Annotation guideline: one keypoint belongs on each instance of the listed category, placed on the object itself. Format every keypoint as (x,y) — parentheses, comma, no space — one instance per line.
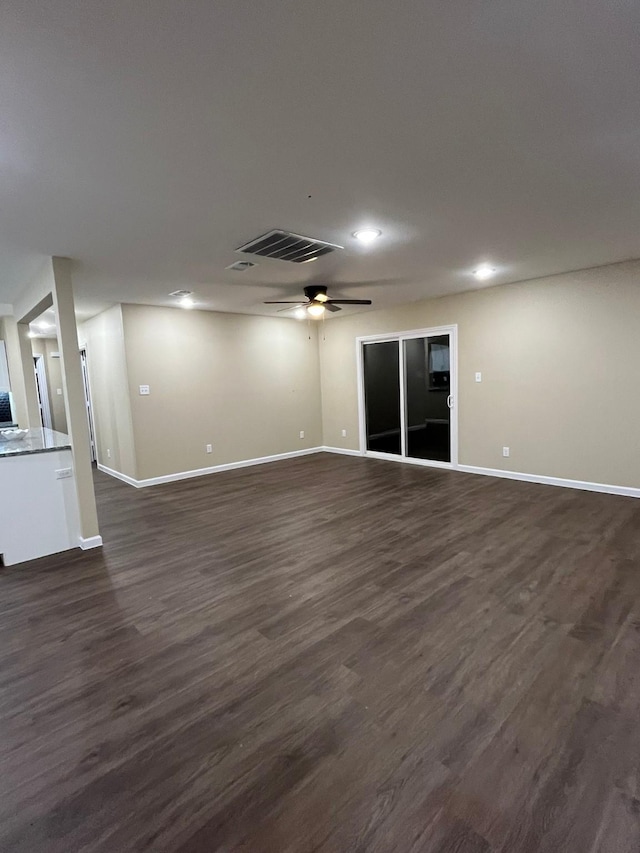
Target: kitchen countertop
(40,440)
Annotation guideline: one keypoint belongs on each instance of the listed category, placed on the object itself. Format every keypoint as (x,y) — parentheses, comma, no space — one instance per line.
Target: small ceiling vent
(288,247)
(241,266)
(181,293)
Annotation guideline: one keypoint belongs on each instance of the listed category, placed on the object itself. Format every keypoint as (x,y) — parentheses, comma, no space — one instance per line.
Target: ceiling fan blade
(350,302)
(330,307)
(282,303)
(292,308)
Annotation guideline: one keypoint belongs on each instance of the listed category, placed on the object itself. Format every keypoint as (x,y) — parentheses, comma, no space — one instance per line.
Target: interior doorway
(42,387)
(407,387)
(88,405)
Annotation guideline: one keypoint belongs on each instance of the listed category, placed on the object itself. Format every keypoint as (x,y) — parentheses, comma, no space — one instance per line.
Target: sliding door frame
(361,342)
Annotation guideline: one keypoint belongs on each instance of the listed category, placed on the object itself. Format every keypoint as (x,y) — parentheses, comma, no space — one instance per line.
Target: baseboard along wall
(90,542)
(626,491)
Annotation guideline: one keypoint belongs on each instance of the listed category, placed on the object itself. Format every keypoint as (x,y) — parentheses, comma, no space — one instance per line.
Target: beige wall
(54,375)
(103,337)
(247,385)
(53,369)
(558,357)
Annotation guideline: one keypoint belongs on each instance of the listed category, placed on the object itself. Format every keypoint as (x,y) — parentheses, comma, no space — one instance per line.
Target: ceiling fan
(318,302)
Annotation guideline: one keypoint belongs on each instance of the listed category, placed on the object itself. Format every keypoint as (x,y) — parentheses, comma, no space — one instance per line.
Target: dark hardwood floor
(328,654)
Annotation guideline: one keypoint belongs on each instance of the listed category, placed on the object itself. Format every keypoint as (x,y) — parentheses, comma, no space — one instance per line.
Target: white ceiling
(148,140)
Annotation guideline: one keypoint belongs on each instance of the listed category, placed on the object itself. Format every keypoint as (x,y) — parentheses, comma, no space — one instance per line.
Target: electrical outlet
(108,453)
(344,433)
(505,451)
(209,448)
(144,390)
(64,473)
(478,377)
(301,433)
(59,392)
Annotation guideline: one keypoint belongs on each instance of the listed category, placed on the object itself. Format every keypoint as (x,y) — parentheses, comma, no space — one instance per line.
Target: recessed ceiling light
(484,271)
(300,314)
(315,310)
(367,236)
(185,298)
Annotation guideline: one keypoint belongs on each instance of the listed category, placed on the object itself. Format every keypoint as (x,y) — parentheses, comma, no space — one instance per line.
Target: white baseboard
(626,491)
(91,542)
(118,475)
(583,485)
(202,472)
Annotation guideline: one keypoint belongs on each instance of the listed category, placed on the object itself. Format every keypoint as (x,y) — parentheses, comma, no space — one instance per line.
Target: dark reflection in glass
(427,388)
(382,396)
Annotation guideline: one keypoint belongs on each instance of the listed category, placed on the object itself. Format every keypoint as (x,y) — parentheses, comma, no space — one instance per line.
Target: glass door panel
(381,364)
(427,372)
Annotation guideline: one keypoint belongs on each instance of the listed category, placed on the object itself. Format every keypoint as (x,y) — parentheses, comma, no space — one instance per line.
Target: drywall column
(73,390)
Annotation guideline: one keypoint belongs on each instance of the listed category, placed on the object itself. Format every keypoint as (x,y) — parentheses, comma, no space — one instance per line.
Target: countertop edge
(11,454)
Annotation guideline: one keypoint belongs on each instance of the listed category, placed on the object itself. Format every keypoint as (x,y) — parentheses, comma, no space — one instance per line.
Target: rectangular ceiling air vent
(180,294)
(288,247)
(241,266)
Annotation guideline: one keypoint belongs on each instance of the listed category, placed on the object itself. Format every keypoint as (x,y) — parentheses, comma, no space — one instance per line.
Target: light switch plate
(478,377)
(144,390)
(64,473)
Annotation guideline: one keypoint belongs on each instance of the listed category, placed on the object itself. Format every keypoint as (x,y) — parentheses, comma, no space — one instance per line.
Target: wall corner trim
(91,542)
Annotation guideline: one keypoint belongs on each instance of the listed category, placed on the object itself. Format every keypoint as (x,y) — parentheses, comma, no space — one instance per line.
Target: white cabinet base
(38,512)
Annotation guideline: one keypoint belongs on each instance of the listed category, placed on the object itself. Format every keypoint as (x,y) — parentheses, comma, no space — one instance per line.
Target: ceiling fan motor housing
(311,291)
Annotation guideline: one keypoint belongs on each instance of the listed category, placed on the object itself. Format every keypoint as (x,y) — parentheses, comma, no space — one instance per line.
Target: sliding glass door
(382,396)
(408,388)
(427,378)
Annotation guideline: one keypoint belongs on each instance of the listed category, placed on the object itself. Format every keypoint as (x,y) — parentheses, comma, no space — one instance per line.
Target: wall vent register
(285,246)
